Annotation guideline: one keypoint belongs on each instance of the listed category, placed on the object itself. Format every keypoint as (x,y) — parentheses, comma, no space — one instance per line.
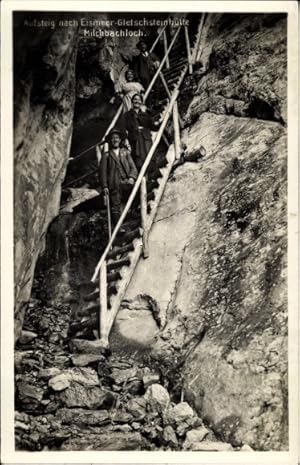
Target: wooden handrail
(188,49)
(137,183)
(119,109)
(157,39)
(161,65)
(199,33)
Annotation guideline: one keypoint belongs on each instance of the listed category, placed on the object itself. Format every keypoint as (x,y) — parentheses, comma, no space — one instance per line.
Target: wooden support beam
(165,85)
(143,197)
(103,328)
(160,66)
(166,49)
(188,49)
(195,55)
(177,142)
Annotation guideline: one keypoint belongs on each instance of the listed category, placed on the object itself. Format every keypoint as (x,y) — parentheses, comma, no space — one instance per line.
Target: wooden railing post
(167,114)
(166,49)
(103,323)
(188,49)
(148,90)
(196,50)
(143,197)
(177,142)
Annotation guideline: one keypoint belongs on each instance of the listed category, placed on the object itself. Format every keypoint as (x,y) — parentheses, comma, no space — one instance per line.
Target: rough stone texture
(210,446)
(136,322)
(27,336)
(78,395)
(151,378)
(194,436)
(29,396)
(110,441)
(179,413)
(83,360)
(243,69)
(226,292)
(84,376)
(83,417)
(157,397)
(137,407)
(44,97)
(170,437)
(87,347)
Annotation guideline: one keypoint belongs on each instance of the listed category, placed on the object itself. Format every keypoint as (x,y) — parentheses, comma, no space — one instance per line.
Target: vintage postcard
(149,232)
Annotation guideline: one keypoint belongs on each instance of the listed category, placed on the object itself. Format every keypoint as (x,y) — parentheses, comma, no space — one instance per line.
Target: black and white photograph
(150,304)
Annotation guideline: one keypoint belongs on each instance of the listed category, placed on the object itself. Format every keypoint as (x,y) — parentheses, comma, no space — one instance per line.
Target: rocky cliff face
(44,102)
(220,237)
(215,279)
(62,86)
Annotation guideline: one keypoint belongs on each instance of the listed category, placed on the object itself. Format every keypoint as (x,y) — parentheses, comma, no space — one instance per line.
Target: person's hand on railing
(131,181)
(106,191)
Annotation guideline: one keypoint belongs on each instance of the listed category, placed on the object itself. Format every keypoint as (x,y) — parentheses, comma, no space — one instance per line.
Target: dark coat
(139,127)
(114,171)
(143,67)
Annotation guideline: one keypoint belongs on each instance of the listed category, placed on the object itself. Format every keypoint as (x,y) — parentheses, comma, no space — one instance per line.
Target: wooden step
(118,264)
(86,311)
(129,236)
(120,250)
(131,224)
(91,323)
(172,81)
(111,277)
(175,70)
(111,289)
(177,61)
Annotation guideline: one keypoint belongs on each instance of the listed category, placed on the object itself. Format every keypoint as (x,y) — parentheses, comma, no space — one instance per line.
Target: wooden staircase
(130,237)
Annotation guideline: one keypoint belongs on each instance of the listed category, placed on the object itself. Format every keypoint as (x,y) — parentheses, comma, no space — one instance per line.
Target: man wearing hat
(144,64)
(117,173)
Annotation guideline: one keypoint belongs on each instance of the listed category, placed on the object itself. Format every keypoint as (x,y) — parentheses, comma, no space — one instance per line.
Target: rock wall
(222,235)
(44,97)
(243,67)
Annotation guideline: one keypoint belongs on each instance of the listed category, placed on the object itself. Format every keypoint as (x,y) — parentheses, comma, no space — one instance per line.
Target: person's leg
(115,205)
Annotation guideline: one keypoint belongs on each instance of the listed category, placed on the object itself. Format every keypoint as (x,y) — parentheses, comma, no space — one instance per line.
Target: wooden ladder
(129,239)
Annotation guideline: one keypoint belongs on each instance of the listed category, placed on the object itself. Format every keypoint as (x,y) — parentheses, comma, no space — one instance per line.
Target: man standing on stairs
(144,64)
(117,173)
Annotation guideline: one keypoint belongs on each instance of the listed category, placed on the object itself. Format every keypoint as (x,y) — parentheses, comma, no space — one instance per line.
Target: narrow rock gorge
(198,353)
